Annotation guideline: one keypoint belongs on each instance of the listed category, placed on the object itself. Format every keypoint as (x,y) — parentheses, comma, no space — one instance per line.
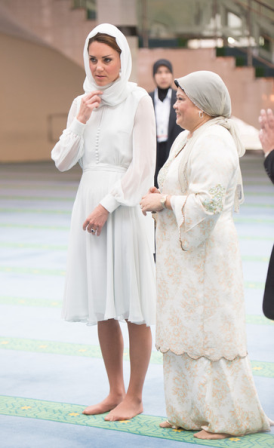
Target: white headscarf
(209,93)
(117,91)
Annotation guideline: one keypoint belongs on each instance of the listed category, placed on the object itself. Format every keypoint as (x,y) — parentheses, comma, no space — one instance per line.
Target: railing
(89,5)
(260,21)
(263,9)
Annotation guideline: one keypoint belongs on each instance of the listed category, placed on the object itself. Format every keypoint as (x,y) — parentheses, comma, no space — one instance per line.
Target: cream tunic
(111,276)
(200,282)
(200,314)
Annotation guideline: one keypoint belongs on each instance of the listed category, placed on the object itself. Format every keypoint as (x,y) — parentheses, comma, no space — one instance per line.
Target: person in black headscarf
(163,98)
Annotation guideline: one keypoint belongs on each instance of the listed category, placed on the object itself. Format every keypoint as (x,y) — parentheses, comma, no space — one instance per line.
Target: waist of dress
(105,167)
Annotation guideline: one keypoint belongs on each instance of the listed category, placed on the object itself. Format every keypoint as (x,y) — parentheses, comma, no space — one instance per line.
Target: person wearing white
(163,98)
(200,326)
(110,270)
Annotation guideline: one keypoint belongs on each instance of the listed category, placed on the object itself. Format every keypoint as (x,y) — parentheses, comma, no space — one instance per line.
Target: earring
(201,113)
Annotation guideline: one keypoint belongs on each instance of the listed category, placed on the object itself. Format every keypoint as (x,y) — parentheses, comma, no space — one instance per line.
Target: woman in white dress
(200,300)
(110,269)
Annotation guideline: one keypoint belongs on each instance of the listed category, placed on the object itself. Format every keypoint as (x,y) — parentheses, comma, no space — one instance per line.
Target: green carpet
(142,425)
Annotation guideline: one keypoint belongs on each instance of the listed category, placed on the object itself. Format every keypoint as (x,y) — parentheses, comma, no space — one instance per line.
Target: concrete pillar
(123,14)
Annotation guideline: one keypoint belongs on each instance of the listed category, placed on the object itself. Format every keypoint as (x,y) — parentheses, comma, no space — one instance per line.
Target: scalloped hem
(196,357)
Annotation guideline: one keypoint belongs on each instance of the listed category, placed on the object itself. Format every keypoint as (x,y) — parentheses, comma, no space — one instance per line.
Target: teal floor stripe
(253,258)
(142,425)
(22,301)
(256,320)
(259,368)
(254,285)
(31,271)
(33,246)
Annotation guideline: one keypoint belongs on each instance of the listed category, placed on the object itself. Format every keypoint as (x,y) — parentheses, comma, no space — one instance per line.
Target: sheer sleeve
(140,173)
(213,166)
(70,147)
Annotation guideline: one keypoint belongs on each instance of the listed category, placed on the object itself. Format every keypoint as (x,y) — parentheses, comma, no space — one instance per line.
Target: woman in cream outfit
(110,270)
(201,318)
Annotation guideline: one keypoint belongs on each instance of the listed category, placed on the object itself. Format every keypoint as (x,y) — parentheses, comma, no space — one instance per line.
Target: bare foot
(210,436)
(166,424)
(125,411)
(104,406)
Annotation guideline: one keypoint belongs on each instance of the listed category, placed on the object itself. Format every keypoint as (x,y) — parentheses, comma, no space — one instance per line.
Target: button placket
(97,138)
(97,145)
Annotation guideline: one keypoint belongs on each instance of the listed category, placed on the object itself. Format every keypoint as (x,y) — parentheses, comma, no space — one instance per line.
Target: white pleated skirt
(217,396)
(111,276)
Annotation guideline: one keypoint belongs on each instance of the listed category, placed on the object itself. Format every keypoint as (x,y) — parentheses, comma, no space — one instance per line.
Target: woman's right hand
(89,102)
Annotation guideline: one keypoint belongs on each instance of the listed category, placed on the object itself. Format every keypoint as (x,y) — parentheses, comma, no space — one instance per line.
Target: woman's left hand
(96,220)
(151,203)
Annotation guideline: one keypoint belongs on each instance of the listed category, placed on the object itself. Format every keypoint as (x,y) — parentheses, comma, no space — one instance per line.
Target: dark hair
(105,39)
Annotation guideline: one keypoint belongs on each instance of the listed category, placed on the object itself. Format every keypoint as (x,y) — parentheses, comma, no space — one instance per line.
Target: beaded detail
(214,205)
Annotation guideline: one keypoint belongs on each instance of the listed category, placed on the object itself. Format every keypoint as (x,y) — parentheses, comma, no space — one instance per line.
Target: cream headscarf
(209,93)
(117,91)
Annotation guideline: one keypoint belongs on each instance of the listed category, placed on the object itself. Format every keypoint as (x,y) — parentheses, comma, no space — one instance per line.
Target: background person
(200,329)
(163,98)
(266,135)
(110,269)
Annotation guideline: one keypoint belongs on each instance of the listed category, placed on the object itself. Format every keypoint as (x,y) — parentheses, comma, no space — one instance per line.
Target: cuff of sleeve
(109,203)
(172,202)
(177,204)
(77,127)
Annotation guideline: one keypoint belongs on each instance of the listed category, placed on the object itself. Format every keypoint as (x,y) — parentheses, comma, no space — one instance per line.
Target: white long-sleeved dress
(200,301)
(111,276)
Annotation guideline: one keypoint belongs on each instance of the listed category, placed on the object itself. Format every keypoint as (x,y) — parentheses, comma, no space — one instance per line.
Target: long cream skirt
(218,396)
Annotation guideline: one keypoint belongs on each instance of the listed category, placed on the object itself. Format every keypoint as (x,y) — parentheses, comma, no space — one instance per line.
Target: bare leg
(112,347)
(140,342)
(210,436)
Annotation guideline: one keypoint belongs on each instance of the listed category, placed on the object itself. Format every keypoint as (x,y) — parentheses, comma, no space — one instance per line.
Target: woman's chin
(179,123)
(100,82)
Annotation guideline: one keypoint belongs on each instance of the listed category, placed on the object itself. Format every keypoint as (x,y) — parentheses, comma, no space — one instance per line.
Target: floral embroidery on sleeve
(214,205)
